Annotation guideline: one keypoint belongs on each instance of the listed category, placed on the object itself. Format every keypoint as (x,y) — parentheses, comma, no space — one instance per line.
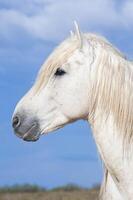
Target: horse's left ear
(78,34)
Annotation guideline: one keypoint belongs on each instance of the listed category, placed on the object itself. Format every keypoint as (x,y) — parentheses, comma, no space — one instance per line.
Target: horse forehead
(59,57)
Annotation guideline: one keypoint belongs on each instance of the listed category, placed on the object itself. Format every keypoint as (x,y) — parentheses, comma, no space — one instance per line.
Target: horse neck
(109,190)
(110,147)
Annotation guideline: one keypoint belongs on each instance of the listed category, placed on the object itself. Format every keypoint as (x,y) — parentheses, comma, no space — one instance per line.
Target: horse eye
(59,72)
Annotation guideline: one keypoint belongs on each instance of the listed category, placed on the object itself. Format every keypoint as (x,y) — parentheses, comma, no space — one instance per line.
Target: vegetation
(33,192)
(69,188)
(21,188)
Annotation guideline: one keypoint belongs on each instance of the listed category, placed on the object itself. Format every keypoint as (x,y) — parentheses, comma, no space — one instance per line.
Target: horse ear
(78,34)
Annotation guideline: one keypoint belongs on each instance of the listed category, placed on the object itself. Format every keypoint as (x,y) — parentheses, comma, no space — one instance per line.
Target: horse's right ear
(78,34)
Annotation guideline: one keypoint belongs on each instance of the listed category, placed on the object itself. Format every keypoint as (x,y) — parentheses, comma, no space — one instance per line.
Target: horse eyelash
(59,72)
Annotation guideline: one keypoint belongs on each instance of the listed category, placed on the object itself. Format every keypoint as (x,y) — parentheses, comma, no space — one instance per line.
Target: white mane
(113,88)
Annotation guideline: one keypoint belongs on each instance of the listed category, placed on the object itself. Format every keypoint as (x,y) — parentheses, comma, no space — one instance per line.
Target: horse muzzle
(27,129)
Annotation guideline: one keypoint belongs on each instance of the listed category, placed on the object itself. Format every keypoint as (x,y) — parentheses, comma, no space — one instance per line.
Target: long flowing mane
(112,89)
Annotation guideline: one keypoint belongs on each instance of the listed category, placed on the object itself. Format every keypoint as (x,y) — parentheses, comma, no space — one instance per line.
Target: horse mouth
(31,135)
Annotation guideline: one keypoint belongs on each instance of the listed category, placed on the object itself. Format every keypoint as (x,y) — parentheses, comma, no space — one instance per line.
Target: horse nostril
(16,122)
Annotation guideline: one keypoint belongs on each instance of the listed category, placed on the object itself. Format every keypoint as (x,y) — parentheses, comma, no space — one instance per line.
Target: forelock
(59,57)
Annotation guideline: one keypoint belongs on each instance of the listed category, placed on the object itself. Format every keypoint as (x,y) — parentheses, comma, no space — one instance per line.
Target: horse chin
(31,138)
(51,129)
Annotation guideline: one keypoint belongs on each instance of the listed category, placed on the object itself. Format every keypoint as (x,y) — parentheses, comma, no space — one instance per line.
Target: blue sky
(29,31)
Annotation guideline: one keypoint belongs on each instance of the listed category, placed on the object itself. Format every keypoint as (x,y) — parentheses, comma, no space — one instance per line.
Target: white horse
(86,78)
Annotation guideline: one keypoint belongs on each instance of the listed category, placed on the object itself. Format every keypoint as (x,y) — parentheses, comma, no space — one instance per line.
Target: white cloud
(51,20)
(127,11)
